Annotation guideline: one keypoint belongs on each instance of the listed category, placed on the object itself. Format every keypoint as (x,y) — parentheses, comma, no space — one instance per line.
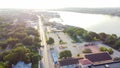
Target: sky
(51,4)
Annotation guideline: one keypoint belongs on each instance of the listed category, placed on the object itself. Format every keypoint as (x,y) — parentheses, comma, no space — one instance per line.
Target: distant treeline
(106,11)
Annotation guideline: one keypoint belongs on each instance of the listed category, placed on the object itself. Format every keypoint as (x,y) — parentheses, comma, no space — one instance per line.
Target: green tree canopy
(50,41)
(102,36)
(18,54)
(28,40)
(12,41)
(87,50)
(104,49)
(3,44)
(117,44)
(65,54)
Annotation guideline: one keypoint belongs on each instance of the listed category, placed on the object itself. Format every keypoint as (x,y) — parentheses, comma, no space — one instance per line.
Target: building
(21,64)
(69,63)
(107,65)
(84,63)
(99,58)
(53,29)
(94,60)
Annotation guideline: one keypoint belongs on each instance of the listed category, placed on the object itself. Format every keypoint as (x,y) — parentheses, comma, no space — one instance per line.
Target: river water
(92,22)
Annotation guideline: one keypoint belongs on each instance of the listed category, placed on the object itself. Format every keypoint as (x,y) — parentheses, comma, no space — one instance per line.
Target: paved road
(43,42)
(47,61)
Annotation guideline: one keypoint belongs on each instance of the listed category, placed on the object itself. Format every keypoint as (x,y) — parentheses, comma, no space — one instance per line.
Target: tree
(18,54)
(35,57)
(37,42)
(95,39)
(3,54)
(110,51)
(37,39)
(12,41)
(2,65)
(75,32)
(87,37)
(94,35)
(20,36)
(3,44)
(32,31)
(103,49)
(87,50)
(117,45)
(18,45)
(28,40)
(65,54)
(50,41)
(114,36)
(60,41)
(110,40)
(78,55)
(102,36)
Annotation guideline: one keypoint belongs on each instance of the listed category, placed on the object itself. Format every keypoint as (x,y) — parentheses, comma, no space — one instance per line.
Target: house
(53,29)
(69,63)
(84,63)
(107,65)
(99,58)
(94,60)
(21,64)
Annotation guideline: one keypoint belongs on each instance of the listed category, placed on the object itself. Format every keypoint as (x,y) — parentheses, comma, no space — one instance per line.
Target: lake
(92,22)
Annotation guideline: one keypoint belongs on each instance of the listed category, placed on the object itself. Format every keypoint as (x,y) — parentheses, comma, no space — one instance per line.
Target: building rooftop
(85,62)
(97,57)
(107,65)
(69,61)
(21,64)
